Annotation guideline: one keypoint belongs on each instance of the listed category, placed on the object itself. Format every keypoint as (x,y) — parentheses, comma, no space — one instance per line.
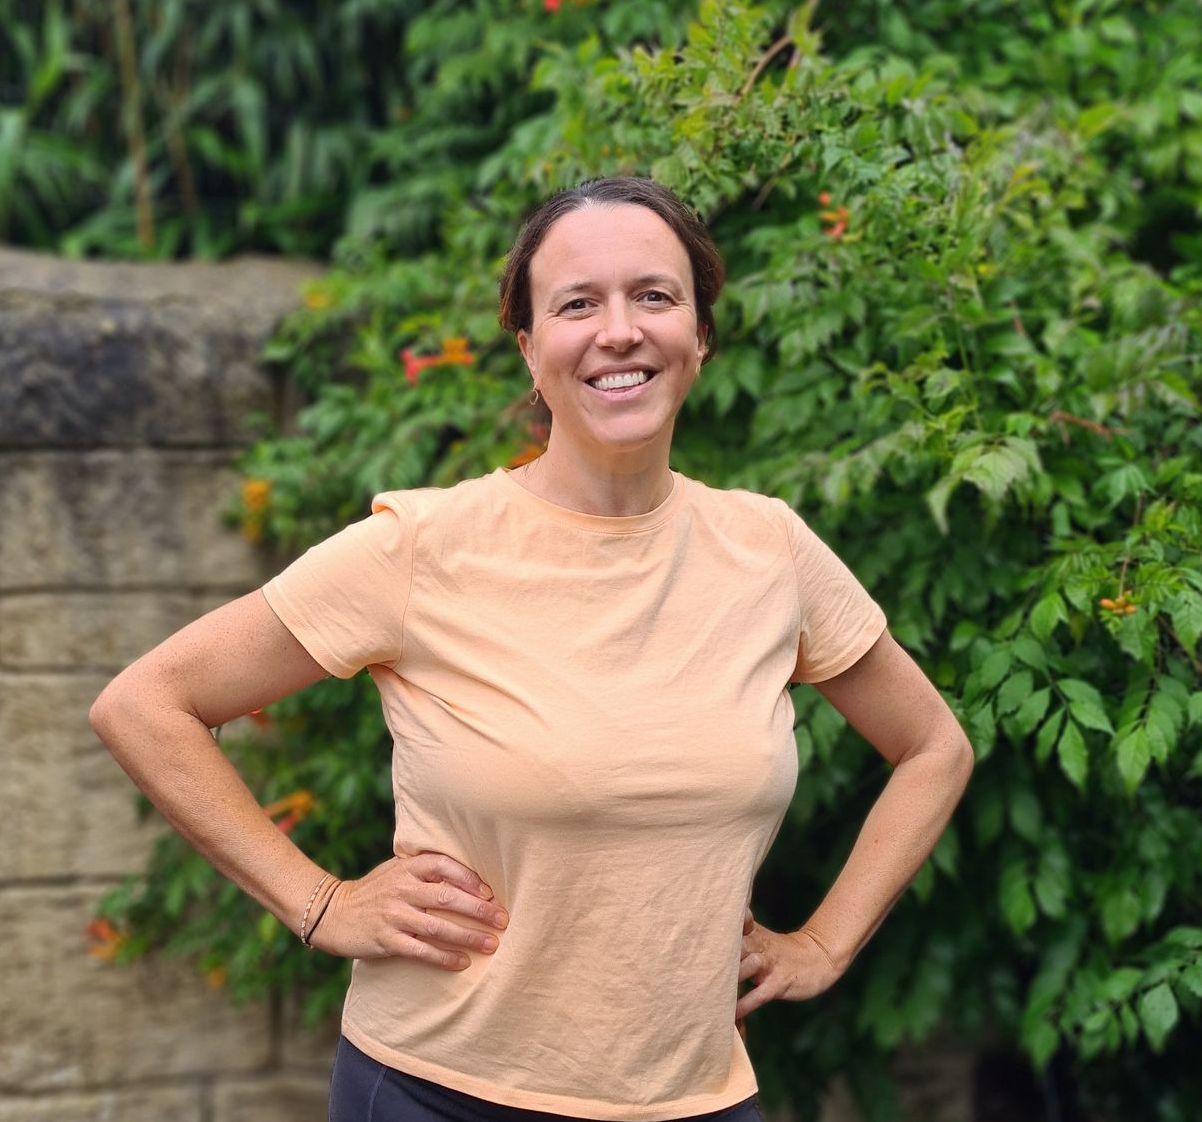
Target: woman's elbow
(103,714)
(112,705)
(962,759)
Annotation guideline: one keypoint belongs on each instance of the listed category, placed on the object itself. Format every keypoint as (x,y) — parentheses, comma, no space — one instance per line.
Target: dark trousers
(364,1090)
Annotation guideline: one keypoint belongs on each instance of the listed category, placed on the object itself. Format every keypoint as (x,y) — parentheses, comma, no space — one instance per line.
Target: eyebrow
(583,286)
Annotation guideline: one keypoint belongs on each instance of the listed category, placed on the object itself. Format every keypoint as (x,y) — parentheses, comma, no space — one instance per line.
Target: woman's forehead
(598,243)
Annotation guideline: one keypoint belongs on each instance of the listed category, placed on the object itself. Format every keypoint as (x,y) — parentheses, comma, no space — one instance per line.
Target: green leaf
(1130,1023)
(1052,881)
(1014,691)
(1185,936)
(1121,912)
(1031,711)
(1045,740)
(1046,614)
(1158,1014)
(1085,704)
(1185,610)
(1014,893)
(1133,752)
(1026,816)
(1073,755)
(1028,651)
(937,498)
(1121,984)
(1041,1041)
(1191,978)
(994,668)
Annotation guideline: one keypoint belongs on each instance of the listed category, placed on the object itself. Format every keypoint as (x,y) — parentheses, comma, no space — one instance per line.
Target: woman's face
(611,288)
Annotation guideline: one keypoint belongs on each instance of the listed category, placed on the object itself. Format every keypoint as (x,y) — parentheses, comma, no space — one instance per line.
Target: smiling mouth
(621,383)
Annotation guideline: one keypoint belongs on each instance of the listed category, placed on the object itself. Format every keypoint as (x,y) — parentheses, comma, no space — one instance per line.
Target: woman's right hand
(383,914)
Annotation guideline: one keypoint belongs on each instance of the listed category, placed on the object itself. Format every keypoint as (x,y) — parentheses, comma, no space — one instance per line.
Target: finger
(435,929)
(409,947)
(752,1000)
(438,866)
(449,898)
(750,966)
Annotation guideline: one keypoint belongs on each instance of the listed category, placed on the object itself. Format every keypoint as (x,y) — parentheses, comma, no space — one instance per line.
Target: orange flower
(108,940)
(824,197)
(255,493)
(216,977)
(836,219)
(295,808)
(317,298)
(551,5)
(413,364)
(454,351)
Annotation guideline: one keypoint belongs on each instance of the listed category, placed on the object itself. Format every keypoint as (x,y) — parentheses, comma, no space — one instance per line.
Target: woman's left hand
(788,967)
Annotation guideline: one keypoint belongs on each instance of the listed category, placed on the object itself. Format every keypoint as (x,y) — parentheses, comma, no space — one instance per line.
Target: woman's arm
(155,719)
(889,701)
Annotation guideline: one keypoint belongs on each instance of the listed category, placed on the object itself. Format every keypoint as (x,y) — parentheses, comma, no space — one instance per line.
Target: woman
(583,663)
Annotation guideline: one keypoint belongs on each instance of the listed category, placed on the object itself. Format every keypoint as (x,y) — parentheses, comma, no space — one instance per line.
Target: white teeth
(620,381)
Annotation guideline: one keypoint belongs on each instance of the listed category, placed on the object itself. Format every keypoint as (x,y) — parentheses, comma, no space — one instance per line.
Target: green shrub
(942,344)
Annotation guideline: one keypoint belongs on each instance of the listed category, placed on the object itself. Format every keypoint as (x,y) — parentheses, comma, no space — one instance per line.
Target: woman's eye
(662,296)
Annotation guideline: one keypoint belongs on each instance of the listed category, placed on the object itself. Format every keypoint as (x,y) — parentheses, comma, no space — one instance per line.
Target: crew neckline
(600,523)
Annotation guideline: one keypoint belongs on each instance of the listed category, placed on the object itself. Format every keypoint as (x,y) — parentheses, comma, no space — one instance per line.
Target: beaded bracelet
(321,915)
(304,932)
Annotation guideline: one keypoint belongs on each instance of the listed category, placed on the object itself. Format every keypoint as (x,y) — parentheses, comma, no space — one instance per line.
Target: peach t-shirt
(591,712)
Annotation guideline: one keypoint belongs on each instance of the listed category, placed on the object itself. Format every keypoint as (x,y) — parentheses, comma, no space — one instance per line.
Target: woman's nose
(618,328)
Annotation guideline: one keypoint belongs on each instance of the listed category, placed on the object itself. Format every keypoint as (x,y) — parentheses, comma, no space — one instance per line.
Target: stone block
(248,293)
(277,1098)
(79,373)
(69,809)
(74,1022)
(179,1104)
(108,519)
(118,354)
(68,630)
(305,1049)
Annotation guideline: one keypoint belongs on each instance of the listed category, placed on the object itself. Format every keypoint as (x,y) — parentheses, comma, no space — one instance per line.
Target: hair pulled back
(709,272)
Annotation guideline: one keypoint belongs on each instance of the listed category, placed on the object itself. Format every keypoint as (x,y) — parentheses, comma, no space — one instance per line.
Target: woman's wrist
(316,905)
(836,962)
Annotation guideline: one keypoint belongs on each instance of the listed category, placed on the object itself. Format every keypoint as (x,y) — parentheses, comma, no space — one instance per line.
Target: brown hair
(709,272)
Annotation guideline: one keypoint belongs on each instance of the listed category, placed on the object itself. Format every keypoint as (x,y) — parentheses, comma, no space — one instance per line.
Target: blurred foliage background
(962,336)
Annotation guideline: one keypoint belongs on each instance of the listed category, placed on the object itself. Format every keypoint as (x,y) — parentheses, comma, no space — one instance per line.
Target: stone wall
(123,393)
(123,396)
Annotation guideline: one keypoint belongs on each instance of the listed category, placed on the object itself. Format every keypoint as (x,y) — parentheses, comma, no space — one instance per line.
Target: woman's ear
(527,349)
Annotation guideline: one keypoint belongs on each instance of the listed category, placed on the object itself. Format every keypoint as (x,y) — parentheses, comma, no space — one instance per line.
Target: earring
(533,399)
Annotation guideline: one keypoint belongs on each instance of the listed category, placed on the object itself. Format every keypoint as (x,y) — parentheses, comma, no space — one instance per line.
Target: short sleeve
(344,599)
(840,621)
